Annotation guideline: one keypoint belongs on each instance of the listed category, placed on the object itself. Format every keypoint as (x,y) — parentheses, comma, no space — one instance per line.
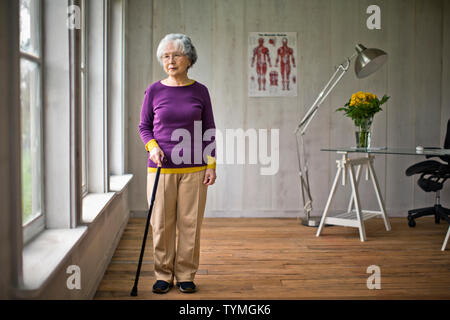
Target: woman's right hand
(157,156)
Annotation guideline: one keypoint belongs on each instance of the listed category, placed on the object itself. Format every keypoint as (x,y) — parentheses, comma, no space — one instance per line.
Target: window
(116,72)
(97,96)
(31,114)
(84,87)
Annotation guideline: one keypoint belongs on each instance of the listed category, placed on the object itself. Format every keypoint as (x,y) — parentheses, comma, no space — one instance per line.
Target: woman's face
(175,63)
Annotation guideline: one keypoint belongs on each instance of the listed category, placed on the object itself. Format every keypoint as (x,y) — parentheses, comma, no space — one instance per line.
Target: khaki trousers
(178,209)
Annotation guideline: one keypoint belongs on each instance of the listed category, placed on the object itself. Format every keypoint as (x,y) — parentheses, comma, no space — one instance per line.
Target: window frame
(97,96)
(116,113)
(84,95)
(37,224)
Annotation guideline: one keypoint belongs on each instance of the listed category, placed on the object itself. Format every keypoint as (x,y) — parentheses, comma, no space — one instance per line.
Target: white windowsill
(43,255)
(118,183)
(94,204)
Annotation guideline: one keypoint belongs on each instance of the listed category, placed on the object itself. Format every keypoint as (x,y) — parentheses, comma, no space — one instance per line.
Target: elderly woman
(173,108)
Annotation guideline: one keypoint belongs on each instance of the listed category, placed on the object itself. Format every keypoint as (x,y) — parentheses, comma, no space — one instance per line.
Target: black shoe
(186,287)
(162,286)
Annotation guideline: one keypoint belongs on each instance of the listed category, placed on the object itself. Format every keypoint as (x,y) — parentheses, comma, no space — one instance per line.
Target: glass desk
(355,215)
(397,151)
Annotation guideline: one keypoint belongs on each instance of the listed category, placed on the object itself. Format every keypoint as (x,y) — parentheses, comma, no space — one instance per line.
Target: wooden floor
(281,259)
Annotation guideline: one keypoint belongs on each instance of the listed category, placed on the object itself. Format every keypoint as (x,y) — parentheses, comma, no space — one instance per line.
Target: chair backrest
(447,136)
(447,143)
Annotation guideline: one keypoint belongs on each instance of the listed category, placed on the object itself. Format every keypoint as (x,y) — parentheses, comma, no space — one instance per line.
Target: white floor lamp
(367,62)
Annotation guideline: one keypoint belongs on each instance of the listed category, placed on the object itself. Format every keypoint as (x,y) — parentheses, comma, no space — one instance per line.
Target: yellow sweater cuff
(211,162)
(151,144)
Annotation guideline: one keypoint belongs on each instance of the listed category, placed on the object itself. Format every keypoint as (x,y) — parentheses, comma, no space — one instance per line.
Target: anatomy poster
(272,64)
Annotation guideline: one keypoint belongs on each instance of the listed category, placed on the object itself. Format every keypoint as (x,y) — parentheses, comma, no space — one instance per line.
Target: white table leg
(350,204)
(444,245)
(362,231)
(377,192)
(330,197)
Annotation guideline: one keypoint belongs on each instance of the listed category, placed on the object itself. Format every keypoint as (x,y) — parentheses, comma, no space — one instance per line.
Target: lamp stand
(301,152)
(367,62)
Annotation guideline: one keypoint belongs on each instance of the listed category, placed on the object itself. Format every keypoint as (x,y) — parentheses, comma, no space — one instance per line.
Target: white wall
(139,41)
(414,33)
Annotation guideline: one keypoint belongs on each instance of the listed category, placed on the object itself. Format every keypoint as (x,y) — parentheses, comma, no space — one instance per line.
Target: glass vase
(363,133)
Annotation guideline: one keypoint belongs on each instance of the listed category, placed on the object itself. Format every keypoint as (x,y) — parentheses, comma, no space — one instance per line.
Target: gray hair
(182,42)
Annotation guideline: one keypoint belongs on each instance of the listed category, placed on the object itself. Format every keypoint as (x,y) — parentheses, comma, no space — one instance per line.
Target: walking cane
(138,271)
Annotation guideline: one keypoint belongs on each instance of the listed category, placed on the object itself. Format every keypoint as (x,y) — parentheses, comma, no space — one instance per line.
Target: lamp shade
(368,60)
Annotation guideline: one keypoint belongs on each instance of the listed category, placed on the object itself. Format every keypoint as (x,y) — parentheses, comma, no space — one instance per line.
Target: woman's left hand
(210,177)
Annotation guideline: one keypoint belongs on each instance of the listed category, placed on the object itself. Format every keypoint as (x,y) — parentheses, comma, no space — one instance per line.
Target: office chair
(433,175)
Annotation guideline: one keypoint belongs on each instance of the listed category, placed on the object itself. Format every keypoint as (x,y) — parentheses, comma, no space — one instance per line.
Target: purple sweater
(187,108)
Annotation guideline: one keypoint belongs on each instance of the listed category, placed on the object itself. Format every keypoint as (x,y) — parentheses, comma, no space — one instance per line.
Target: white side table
(355,216)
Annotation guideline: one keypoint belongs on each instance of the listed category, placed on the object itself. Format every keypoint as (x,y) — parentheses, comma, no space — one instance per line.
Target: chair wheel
(411,222)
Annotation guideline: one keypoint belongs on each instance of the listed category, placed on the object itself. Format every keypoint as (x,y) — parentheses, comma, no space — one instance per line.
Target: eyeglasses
(176,56)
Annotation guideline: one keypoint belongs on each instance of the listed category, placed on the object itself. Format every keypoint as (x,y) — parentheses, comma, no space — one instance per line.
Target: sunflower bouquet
(361,108)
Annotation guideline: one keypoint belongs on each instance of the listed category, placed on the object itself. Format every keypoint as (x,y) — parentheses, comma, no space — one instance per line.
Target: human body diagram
(272,64)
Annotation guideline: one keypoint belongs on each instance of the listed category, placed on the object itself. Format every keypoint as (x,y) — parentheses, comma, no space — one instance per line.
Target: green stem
(363,139)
